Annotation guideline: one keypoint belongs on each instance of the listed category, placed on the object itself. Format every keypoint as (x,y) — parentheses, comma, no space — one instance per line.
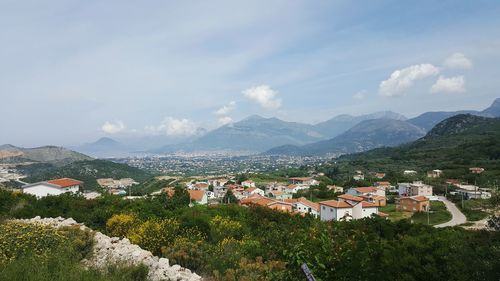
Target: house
(434,174)
(293,188)
(409,172)
(198,196)
(380,175)
(359,176)
(53,187)
(476,170)
(383,184)
(346,208)
(380,201)
(417,188)
(414,204)
(370,190)
(303,181)
(281,206)
(335,189)
(302,205)
(472,194)
(254,190)
(453,182)
(278,195)
(201,186)
(267,202)
(248,183)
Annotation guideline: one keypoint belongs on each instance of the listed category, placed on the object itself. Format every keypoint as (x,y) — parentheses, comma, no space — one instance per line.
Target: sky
(74,71)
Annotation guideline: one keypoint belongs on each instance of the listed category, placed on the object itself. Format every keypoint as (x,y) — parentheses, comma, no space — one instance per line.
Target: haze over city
(74,71)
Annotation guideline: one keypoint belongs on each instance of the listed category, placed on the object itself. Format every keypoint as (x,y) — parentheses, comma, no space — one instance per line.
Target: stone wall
(113,250)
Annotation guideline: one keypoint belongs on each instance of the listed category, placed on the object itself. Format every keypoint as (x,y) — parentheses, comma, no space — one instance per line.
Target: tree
(229,198)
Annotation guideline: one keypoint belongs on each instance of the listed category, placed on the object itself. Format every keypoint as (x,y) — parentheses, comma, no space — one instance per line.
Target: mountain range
(255,134)
(45,154)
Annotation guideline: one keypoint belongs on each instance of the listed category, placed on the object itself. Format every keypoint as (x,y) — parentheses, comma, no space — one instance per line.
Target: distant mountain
(103,147)
(364,136)
(429,119)
(253,134)
(461,139)
(44,154)
(341,123)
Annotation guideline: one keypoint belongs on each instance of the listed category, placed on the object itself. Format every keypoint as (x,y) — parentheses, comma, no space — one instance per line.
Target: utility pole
(428,218)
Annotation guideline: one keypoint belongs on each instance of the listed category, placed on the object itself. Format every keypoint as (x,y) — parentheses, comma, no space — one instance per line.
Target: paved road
(457,216)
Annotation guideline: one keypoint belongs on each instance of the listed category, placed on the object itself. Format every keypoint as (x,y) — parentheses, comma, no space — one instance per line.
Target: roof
(250,189)
(381,214)
(196,194)
(64,182)
(366,204)
(382,183)
(336,204)
(257,200)
(308,203)
(365,189)
(350,197)
(416,198)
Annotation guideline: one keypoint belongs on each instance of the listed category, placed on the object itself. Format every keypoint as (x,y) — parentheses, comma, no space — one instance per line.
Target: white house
(293,188)
(248,183)
(370,190)
(198,196)
(53,187)
(347,208)
(305,206)
(254,190)
(417,188)
(303,180)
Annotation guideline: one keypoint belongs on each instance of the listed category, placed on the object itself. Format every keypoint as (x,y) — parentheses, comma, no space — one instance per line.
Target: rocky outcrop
(113,250)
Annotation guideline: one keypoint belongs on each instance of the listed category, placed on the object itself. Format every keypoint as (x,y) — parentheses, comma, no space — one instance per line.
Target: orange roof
(365,204)
(336,204)
(301,178)
(250,189)
(308,203)
(196,194)
(366,189)
(383,183)
(416,198)
(64,182)
(381,214)
(350,197)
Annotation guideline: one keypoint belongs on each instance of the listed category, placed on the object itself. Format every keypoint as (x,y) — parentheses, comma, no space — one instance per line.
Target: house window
(324,208)
(331,210)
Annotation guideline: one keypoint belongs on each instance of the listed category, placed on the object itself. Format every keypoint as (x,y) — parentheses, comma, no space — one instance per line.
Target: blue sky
(73,71)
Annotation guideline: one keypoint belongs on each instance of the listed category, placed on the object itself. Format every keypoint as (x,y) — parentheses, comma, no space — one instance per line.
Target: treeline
(230,242)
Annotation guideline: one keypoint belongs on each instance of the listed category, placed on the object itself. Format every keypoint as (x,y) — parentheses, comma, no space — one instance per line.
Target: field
(438,214)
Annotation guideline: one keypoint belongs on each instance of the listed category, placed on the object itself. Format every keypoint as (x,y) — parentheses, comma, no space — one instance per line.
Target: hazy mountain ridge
(43,154)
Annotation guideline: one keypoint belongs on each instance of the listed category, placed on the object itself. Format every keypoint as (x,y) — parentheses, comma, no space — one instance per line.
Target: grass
(438,214)
(474,209)
(394,215)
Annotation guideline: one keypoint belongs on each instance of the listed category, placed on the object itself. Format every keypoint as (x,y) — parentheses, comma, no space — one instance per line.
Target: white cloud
(224,120)
(264,96)
(457,61)
(113,128)
(449,85)
(174,127)
(359,95)
(403,79)
(226,108)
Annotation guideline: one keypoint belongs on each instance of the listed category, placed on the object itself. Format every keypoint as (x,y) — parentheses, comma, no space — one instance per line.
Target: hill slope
(366,135)
(463,138)
(44,154)
(87,171)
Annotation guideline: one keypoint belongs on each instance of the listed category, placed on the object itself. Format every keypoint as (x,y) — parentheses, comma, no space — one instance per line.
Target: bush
(154,234)
(119,225)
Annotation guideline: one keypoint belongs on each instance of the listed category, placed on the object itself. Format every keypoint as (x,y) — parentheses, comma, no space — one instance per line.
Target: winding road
(457,216)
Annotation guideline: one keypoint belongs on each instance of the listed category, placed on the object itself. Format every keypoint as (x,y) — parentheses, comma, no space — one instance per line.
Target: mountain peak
(493,110)
(106,140)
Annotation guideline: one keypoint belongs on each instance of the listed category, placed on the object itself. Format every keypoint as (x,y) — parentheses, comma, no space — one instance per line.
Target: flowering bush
(154,233)
(119,225)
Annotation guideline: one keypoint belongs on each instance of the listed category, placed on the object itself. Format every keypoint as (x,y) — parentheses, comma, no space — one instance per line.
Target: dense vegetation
(40,253)
(87,171)
(230,242)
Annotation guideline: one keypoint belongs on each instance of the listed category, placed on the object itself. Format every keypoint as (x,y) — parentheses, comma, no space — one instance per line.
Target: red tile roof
(350,197)
(308,203)
(64,182)
(196,194)
(336,204)
(365,204)
(366,189)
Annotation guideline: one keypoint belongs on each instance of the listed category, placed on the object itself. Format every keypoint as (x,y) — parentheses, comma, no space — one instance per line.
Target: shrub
(119,225)
(154,234)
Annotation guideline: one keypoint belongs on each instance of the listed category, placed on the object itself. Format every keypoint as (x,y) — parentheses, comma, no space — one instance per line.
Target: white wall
(42,190)
(367,212)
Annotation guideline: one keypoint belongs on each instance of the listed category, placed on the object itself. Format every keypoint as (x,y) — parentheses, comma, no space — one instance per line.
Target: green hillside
(453,145)
(87,171)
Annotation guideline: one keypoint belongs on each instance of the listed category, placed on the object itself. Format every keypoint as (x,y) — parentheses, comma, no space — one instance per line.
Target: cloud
(359,95)
(174,127)
(449,85)
(224,120)
(403,79)
(113,128)
(264,96)
(458,61)
(226,108)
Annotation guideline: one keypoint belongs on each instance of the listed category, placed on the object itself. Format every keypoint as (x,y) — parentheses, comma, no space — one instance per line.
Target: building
(53,187)
(248,183)
(409,172)
(198,196)
(357,191)
(335,189)
(383,184)
(254,190)
(359,176)
(380,175)
(293,188)
(303,181)
(476,170)
(472,194)
(414,204)
(417,188)
(304,206)
(348,207)
(434,174)
(278,195)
